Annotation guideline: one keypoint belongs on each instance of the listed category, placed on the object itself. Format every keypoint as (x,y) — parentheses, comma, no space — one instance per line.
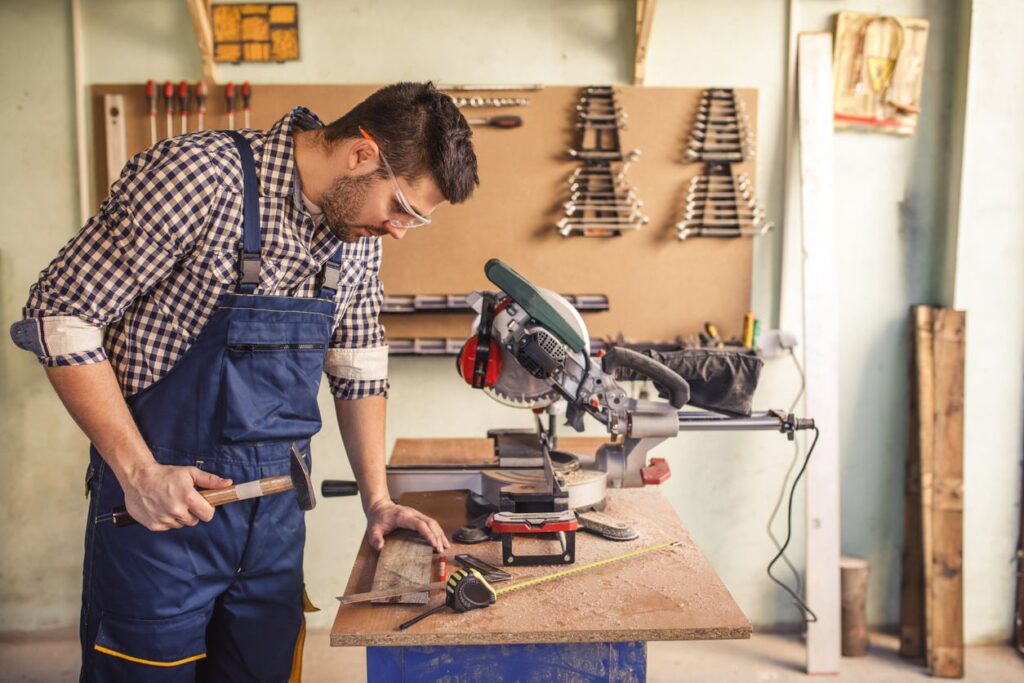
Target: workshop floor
(53,656)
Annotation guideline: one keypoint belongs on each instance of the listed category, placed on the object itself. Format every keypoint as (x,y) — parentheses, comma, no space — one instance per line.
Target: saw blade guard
(529,350)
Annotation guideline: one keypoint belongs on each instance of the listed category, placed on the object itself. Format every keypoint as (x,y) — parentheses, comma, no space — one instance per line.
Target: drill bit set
(721,202)
(601,204)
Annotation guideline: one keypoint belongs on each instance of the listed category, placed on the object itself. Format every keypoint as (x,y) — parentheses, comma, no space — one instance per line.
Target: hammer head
(300,481)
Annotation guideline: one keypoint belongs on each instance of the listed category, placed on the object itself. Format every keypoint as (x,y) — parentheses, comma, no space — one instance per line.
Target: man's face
(365,205)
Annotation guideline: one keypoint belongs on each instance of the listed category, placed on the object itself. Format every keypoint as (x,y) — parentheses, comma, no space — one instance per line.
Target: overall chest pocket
(269,380)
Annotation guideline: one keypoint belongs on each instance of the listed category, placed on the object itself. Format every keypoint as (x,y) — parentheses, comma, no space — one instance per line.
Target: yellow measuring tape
(583,568)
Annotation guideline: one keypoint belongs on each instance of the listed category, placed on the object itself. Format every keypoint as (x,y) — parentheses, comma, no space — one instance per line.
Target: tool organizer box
(658,287)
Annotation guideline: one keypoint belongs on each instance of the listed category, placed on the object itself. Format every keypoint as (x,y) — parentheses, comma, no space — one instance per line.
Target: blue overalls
(221,601)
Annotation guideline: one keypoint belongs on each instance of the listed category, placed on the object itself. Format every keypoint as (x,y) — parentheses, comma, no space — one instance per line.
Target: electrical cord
(800,604)
(789,470)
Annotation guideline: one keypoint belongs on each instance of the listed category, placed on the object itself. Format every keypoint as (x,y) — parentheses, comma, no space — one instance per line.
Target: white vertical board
(821,347)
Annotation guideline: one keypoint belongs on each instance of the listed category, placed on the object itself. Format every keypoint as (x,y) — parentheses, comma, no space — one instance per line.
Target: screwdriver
(183,105)
(246,98)
(200,105)
(498,122)
(169,104)
(151,100)
(229,96)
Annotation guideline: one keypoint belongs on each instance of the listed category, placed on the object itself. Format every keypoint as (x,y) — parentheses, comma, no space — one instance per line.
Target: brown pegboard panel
(658,287)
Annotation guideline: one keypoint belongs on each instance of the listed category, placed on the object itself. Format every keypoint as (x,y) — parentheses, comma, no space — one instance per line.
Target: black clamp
(329,277)
(248,267)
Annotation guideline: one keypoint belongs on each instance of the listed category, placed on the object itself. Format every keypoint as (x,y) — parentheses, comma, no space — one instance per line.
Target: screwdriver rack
(721,202)
(601,203)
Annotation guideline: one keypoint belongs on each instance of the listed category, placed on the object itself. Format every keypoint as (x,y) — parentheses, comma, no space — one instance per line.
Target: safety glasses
(410,218)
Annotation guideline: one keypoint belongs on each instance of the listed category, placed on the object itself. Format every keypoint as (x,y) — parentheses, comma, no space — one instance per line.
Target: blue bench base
(575,662)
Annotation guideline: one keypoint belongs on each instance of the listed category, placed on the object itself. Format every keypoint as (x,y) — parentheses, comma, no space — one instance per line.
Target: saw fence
(658,288)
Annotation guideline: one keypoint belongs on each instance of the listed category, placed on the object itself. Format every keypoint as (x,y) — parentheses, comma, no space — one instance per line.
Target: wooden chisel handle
(217,497)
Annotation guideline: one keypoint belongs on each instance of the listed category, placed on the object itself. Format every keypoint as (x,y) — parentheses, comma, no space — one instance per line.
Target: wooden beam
(943,540)
(199,10)
(644,19)
(821,345)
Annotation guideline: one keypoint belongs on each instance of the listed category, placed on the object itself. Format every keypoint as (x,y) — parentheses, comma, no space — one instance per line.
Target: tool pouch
(721,380)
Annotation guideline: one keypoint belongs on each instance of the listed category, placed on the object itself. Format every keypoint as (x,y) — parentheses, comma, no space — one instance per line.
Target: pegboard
(658,287)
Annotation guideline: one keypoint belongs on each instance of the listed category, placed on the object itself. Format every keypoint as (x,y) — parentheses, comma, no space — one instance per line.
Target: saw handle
(621,357)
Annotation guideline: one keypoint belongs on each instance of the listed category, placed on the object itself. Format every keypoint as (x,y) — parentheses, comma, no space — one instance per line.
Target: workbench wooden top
(672,594)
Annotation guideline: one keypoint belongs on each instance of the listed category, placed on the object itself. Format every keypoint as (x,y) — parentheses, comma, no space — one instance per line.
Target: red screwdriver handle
(201,97)
(505,121)
(169,95)
(151,97)
(229,97)
(246,94)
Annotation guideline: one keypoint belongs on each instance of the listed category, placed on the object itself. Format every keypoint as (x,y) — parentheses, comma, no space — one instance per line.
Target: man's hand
(386,516)
(162,497)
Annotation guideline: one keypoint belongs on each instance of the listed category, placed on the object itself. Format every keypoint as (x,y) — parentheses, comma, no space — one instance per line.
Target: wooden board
(821,349)
(658,287)
(405,560)
(918,457)
(944,599)
(669,595)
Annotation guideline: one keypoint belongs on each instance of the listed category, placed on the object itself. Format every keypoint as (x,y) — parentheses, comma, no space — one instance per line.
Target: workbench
(592,626)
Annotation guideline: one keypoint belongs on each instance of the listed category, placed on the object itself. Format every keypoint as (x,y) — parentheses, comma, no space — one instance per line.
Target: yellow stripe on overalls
(150,662)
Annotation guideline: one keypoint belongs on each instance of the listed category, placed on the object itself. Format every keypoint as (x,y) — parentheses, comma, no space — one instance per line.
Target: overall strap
(330,275)
(249,257)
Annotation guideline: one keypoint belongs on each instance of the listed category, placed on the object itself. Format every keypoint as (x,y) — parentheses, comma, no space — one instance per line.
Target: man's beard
(343,202)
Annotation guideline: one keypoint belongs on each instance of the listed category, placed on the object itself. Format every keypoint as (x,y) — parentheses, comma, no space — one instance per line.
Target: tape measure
(582,568)
(467,589)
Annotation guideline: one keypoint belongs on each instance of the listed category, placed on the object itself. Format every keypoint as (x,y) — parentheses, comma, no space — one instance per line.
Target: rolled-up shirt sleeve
(155,213)
(357,360)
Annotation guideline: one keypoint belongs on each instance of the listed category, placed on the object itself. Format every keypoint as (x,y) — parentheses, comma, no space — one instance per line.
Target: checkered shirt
(149,267)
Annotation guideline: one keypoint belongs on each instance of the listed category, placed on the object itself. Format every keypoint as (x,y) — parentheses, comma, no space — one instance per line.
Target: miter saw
(532,350)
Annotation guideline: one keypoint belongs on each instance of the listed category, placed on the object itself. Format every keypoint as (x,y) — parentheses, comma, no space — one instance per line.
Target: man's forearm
(92,397)
(362,424)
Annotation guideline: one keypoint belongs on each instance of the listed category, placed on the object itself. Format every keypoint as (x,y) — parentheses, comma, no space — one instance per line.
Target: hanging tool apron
(220,601)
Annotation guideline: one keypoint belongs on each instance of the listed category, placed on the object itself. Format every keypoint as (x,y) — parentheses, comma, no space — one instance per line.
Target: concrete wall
(891,211)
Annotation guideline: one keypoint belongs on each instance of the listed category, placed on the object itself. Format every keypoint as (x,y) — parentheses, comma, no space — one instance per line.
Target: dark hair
(419,130)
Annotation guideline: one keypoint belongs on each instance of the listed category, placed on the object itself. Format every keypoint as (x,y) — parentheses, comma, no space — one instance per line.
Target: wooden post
(854,584)
(821,348)
(644,19)
(944,618)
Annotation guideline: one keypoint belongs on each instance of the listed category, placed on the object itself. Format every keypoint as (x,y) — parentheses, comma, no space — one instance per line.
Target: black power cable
(801,605)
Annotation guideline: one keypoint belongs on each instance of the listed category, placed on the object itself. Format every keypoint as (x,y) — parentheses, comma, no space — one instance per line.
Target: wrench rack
(601,203)
(721,202)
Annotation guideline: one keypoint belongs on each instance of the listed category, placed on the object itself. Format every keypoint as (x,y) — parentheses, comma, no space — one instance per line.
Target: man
(186,328)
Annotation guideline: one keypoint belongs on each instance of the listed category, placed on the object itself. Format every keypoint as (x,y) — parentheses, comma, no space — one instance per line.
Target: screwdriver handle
(229,97)
(420,617)
(201,97)
(246,94)
(169,96)
(151,97)
(505,121)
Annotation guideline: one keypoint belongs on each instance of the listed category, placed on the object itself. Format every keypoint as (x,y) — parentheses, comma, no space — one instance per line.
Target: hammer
(297,480)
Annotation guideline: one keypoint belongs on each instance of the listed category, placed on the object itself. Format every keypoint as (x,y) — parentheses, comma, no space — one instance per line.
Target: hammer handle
(217,497)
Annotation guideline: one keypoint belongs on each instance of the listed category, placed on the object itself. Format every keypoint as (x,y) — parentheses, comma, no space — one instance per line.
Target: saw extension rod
(767,420)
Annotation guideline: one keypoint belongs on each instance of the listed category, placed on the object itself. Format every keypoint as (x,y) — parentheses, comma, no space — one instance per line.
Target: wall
(891,213)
